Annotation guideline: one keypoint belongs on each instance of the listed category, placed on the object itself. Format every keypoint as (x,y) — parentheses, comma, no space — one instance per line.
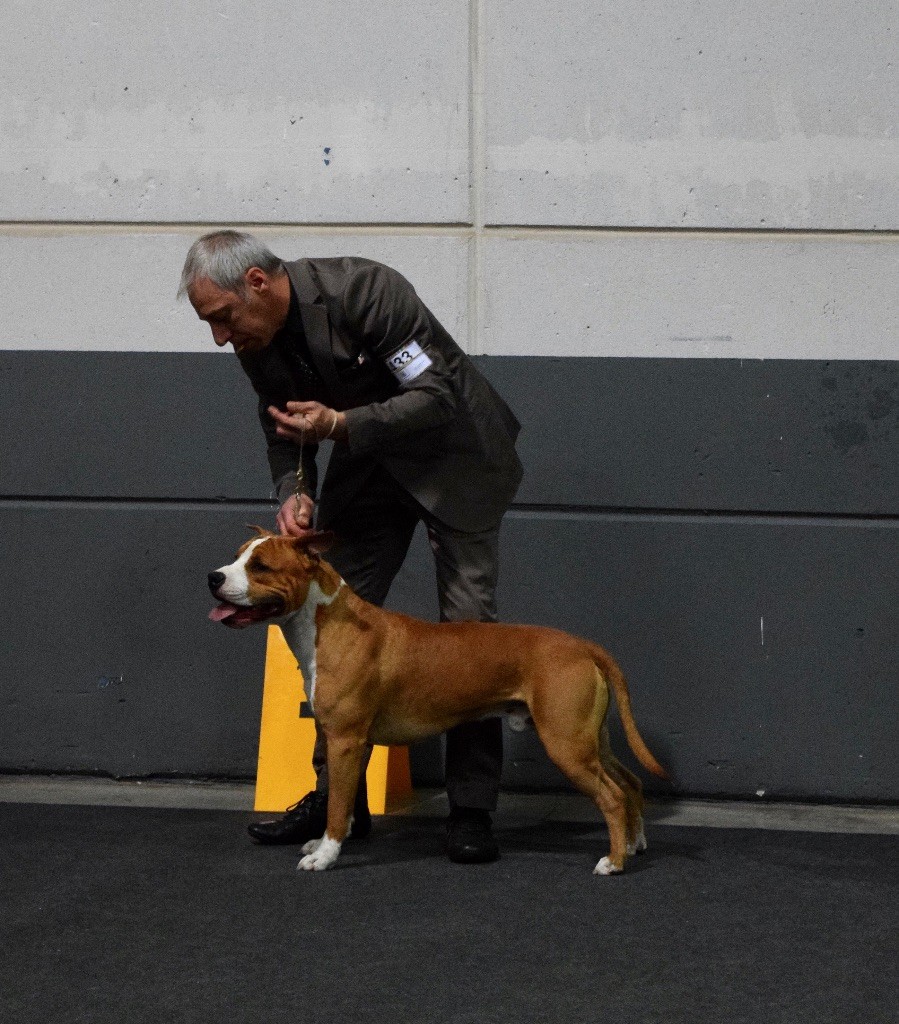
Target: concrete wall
(668,235)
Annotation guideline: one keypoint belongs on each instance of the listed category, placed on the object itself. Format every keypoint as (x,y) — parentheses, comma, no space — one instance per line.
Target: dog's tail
(613,674)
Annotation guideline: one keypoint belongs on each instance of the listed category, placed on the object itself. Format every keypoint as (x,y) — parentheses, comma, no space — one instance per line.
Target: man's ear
(260,531)
(318,543)
(256,280)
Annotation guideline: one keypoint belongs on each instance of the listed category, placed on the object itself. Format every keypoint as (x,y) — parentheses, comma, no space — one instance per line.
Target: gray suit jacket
(414,402)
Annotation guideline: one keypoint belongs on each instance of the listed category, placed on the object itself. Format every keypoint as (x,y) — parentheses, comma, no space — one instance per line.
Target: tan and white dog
(375,676)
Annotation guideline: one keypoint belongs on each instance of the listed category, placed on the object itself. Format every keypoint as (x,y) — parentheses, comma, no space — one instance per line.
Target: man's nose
(216,579)
(221,336)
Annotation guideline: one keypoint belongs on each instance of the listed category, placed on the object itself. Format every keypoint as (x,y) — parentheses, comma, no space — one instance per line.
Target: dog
(374,676)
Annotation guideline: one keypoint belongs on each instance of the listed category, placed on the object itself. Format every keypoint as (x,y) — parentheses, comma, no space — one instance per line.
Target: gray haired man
(344,349)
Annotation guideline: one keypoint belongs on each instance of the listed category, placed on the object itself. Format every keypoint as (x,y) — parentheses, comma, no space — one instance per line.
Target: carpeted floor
(132,915)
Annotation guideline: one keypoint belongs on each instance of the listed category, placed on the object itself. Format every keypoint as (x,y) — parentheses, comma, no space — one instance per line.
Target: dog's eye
(262,567)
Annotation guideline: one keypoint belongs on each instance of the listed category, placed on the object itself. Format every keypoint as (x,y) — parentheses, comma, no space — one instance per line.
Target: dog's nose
(216,579)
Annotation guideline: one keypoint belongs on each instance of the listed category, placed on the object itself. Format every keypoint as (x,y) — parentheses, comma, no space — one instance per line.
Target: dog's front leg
(344,766)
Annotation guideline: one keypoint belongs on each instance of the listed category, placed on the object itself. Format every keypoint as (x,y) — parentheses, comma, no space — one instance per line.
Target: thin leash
(301,476)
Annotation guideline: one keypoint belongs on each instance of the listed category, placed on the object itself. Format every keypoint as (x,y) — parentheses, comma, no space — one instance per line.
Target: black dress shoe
(469,837)
(307,819)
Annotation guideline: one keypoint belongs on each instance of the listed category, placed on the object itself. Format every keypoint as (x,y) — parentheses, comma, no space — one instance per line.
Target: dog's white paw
(322,857)
(606,867)
(638,845)
(311,846)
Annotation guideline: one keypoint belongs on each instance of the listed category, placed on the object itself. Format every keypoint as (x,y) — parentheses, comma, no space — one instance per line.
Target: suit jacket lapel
(316,324)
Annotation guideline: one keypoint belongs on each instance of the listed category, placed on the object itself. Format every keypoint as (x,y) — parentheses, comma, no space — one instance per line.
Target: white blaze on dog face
(236,587)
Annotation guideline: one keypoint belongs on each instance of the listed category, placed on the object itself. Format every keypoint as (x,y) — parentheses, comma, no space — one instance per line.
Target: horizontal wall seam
(695,515)
(521,510)
(148,503)
(575,230)
(460,229)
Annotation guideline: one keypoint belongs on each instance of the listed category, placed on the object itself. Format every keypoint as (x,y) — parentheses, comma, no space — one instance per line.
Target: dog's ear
(260,531)
(319,542)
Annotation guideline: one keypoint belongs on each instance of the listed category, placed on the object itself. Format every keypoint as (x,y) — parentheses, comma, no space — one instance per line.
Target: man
(343,349)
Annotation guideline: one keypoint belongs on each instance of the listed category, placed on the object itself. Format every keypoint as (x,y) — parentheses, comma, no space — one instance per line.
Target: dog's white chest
(301,633)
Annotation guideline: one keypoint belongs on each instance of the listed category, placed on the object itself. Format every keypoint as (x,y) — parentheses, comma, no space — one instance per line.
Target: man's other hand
(295,520)
(309,422)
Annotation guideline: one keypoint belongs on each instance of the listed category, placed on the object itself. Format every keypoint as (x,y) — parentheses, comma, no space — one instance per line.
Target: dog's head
(270,577)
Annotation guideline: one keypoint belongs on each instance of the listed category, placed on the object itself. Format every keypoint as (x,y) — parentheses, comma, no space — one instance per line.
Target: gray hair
(224,257)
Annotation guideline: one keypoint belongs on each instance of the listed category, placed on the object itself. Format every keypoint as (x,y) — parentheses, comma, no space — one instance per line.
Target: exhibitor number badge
(408,362)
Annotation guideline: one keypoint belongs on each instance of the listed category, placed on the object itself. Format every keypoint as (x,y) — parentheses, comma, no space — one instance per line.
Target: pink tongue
(224,611)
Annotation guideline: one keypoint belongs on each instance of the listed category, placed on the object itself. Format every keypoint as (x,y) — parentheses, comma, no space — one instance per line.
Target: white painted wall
(219,110)
(699,295)
(701,113)
(418,132)
(114,290)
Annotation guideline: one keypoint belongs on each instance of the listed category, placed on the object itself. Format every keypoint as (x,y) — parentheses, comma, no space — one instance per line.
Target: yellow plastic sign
(287,736)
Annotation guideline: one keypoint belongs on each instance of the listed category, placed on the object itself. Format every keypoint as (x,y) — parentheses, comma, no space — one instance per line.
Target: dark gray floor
(129,915)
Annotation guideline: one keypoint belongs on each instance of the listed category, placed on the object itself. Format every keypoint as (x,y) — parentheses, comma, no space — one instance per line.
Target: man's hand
(295,520)
(309,422)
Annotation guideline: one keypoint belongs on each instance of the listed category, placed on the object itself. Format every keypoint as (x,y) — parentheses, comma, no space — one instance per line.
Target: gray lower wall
(735,435)
(725,527)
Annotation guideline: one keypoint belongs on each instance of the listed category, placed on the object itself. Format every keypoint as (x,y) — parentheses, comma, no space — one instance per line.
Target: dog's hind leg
(569,732)
(583,767)
(612,802)
(633,793)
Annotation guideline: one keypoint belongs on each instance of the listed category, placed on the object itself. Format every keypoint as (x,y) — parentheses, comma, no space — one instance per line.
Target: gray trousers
(373,536)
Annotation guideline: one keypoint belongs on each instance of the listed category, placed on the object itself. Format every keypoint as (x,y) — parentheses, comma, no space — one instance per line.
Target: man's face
(247,321)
